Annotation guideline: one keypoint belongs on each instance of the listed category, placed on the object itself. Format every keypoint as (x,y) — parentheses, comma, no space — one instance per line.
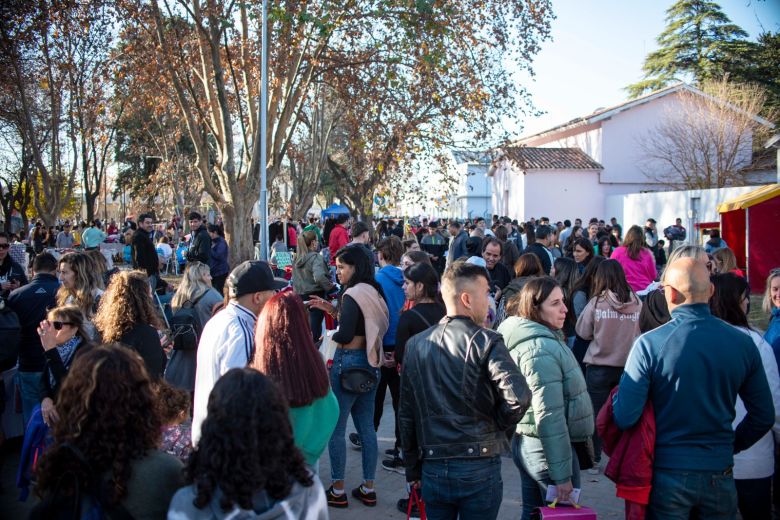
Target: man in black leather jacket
(460,394)
(200,244)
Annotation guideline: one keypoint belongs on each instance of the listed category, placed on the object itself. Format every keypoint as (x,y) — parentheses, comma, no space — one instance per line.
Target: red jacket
(339,237)
(631,453)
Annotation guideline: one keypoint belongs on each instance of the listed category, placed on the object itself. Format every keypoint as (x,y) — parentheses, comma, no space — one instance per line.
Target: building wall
(664,207)
(563,194)
(507,192)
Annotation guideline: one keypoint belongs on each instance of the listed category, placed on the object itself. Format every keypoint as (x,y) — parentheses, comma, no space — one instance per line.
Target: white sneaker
(594,470)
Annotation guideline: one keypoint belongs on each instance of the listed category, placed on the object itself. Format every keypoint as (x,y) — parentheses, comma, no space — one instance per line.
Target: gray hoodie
(612,328)
(304,503)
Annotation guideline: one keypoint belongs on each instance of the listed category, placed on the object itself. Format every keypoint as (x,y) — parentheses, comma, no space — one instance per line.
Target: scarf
(66,351)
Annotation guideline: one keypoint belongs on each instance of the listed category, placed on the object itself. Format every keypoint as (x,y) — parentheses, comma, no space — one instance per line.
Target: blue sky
(598,48)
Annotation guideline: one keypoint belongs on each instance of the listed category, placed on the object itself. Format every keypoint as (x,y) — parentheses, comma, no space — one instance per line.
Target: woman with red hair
(285,352)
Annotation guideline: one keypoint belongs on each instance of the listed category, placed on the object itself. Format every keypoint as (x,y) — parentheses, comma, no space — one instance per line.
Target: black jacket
(200,247)
(460,394)
(31,302)
(144,254)
(541,252)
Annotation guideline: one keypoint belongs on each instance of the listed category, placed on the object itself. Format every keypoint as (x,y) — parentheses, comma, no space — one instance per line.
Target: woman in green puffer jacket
(561,412)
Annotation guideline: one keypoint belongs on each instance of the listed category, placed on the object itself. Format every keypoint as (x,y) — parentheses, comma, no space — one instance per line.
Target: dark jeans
(218,282)
(390,378)
(528,456)
(754,498)
(315,317)
(600,380)
(678,493)
(462,488)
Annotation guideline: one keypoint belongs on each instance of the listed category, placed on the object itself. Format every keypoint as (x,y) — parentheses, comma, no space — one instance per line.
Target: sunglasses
(59,324)
(5,246)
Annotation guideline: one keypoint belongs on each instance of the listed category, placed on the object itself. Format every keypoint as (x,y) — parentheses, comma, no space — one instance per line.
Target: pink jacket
(640,272)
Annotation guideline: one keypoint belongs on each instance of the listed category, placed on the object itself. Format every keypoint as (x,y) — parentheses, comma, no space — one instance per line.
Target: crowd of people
(552,342)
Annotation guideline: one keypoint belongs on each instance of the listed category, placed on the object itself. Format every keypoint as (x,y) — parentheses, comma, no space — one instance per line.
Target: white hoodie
(758,461)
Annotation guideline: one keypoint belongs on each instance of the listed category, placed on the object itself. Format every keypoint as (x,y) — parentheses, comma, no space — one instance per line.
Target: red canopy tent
(749,225)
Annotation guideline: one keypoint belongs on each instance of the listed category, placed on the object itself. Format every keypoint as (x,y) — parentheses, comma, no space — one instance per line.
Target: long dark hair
(585,244)
(285,351)
(634,242)
(425,274)
(108,412)
(528,265)
(725,303)
(585,282)
(246,443)
(355,256)
(610,276)
(567,274)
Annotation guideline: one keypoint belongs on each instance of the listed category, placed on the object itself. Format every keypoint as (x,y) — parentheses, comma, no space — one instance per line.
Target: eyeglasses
(59,324)
(5,246)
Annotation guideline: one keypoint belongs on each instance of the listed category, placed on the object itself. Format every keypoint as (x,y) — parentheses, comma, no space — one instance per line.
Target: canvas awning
(750,198)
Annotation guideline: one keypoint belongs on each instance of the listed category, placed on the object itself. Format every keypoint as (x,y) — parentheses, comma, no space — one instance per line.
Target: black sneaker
(393,452)
(335,500)
(368,499)
(403,506)
(394,464)
(354,439)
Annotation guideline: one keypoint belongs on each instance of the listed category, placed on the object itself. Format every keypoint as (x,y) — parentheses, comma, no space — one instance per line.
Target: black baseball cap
(253,276)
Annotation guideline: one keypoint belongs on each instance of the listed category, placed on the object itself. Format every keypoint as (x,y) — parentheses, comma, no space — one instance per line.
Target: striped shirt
(227,341)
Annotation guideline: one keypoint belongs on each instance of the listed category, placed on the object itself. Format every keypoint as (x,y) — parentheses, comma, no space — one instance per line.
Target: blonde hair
(127,302)
(726,259)
(101,266)
(192,285)
(767,304)
(87,281)
(304,246)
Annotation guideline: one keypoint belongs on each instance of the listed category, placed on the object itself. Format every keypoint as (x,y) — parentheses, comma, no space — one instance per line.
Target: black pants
(600,380)
(218,282)
(754,498)
(390,378)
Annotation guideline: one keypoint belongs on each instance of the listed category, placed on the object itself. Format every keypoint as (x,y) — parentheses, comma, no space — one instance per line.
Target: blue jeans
(462,488)
(30,391)
(361,406)
(678,493)
(528,456)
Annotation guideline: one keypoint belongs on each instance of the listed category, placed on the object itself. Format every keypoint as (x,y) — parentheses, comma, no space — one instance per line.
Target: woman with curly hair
(285,352)
(81,285)
(63,337)
(246,463)
(105,443)
(127,316)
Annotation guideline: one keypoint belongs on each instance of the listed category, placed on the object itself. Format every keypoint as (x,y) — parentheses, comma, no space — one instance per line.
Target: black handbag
(357,380)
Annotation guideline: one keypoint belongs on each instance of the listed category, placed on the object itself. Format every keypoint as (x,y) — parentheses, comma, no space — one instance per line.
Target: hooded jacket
(302,503)
(311,274)
(561,411)
(391,278)
(611,327)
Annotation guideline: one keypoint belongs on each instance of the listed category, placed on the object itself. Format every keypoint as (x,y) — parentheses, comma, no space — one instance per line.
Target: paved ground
(598,492)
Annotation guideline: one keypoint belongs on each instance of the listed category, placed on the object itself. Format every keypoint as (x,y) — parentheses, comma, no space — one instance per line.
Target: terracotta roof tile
(528,158)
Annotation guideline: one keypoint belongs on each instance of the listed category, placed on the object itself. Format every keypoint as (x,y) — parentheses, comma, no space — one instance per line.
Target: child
(174,405)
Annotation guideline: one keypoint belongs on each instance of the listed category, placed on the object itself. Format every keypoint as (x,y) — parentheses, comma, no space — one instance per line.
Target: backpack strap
(425,320)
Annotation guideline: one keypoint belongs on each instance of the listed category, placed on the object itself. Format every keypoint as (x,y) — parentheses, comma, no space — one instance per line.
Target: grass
(757,317)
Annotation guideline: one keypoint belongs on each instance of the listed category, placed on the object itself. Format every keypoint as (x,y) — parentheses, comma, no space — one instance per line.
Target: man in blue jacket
(693,368)
(31,303)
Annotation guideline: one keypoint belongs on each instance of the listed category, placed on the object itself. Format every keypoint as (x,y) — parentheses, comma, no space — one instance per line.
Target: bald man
(692,369)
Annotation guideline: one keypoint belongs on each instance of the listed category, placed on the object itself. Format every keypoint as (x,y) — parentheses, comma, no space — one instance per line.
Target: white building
(570,170)
(473,197)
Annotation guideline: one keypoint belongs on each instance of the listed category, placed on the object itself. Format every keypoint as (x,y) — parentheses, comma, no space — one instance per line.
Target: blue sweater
(391,278)
(772,334)
(692,368)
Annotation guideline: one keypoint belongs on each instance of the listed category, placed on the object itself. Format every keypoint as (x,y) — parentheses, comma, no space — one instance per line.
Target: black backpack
(11,332)
(185,326)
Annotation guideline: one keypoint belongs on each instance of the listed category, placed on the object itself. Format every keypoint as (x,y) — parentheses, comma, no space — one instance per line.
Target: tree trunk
(238,231)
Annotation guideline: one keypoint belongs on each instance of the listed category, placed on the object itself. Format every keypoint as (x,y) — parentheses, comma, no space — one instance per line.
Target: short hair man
(435,245)
(544,236)
(492,252)
(12,274)
(434,399)
(200,240)
(228,339)
(458,237)
(31,303)
(693,367)
(339,237)
(93,236)
(65,239)
(142,249)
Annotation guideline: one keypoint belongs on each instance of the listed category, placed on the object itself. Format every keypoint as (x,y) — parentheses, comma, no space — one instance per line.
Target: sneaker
(335,500)
(394,464)
(393,452)
(354,439)
(368,499)
(403,506)
(594,470)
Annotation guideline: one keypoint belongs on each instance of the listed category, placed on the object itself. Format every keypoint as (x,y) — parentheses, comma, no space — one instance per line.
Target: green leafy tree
(761,65)
(697,44)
